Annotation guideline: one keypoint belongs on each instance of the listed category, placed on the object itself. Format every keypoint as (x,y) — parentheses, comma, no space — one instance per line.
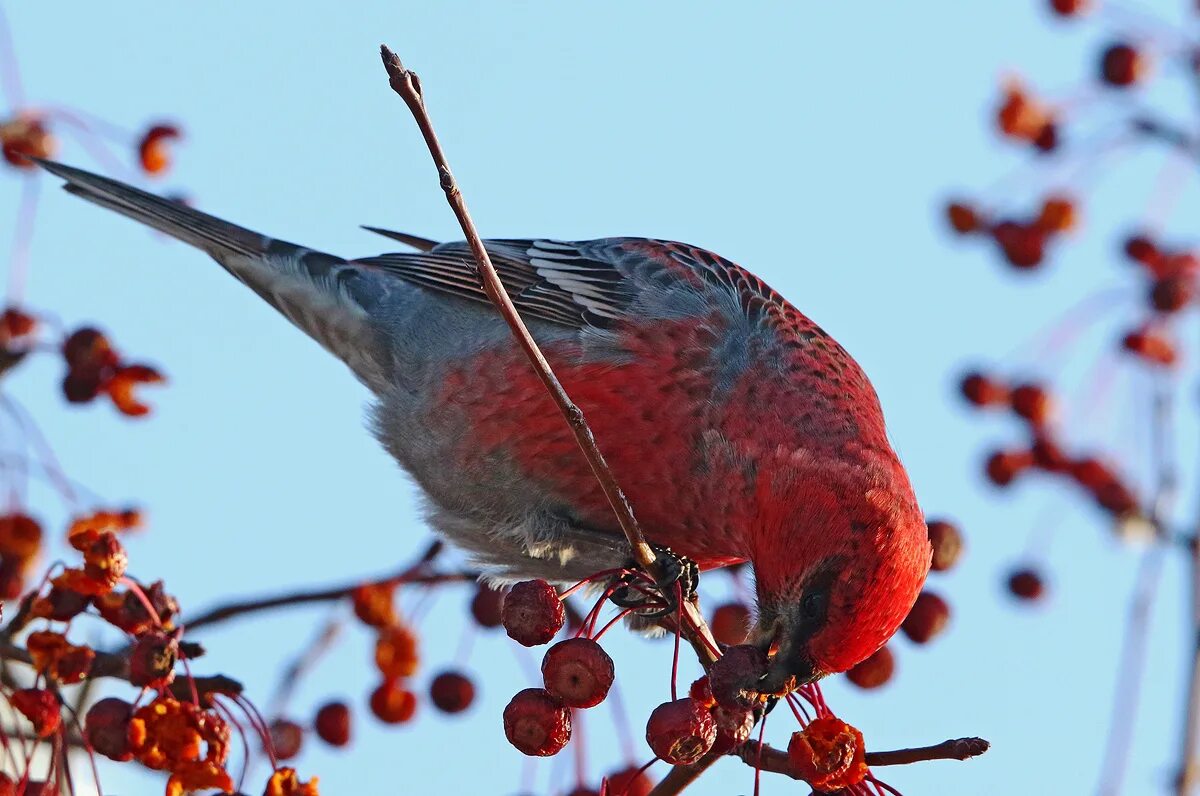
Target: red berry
(41,707)
(452,692)
(536,723)
(392,703)
(733,678)
(532,613)
(1026,584)
(1046,139)
(396,652)
(1151,347)
(333,723)
(981,390)
(286,739)
(1141,249)
(1058,214)
(1023,245)
(153,152)
(963,218)
(828,754)
(1003,467)
(700,691)
(733,728)
(681,732)
(1122,65)
(152,660)
(630,781)
(1032,402)
(947,544)
(1172,293)
(874,671)
(1069,8)
(730,623)
(486,605)
(927,618)
(578,672)
(106,728)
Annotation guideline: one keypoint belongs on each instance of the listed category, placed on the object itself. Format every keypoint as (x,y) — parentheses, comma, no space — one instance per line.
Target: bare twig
(413,573)
(1189,772)
(407,84)
(776,760)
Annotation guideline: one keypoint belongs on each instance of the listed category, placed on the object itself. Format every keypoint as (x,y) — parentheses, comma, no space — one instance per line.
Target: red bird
(738,428)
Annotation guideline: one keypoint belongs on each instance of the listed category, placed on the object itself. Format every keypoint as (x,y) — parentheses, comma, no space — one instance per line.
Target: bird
(740,431)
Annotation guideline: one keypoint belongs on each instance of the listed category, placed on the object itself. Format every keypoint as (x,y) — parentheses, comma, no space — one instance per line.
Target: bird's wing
(578,284)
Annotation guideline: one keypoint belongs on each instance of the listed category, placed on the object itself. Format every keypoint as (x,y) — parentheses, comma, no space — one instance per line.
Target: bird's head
(840,552)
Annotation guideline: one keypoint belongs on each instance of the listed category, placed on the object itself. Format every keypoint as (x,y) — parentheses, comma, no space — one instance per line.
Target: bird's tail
(323,295)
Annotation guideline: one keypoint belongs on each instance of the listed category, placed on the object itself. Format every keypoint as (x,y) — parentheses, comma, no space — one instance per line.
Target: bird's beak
(789,664)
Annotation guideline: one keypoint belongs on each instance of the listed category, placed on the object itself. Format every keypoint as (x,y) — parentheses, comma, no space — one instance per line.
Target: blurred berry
(106,728)
(631,781)
(452,692)
(927,618)
(982,390)
(1026,584)
(1172,293)
(730,623)
(286,738)
(333,723)
(1069,8)
(1150,346)
(1023,245)
(875,671)
(486,605)
(1002,467)
(392,703)
(947,544)
(1032,402)
(1122,65)
(963,218)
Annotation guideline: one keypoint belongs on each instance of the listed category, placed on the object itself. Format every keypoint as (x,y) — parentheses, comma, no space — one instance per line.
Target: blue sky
(813,143)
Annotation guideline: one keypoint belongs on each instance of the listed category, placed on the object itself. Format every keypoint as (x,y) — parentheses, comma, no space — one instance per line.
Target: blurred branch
(1168,134)
(412,574)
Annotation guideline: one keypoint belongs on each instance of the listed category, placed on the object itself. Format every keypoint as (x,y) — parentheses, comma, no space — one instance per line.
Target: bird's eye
(813,605)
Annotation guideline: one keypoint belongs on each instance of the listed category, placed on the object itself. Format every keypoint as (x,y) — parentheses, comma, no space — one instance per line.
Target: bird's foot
(680,579)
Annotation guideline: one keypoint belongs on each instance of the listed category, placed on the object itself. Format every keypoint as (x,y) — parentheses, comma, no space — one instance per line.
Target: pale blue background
(812,142)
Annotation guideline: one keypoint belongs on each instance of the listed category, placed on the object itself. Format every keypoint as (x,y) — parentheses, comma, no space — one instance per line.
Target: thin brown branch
(408,85)
(1189,771)
(776,760)
(412,574)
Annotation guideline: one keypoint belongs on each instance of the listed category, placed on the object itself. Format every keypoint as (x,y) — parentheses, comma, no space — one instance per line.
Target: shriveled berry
(487,605)
(730,623)
(631,781)
(681,732)
(106,728)
(927,618)
(578,672)
(1122,65)
(152,661)
(41,707)
(333,723)
(452,692)
(733,678)
(536,723)
(392,703)
(828,754)
(396,652)
(947,544)
(286,738)
(532,613)
(982,390)
(875,671)
(733,728)
(1026,584)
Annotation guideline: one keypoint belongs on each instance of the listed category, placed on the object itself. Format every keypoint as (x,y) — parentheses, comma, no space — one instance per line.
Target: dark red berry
(1032,402)
(875,671)
(630,781)
(1069,8)
(947,544)
(733,678)
(532,613)
(578,672)
(106,728)
(286,738)
(1122,65)
(392,703)
(333,723)
(1141,249)
(1026,584)
(452,692)
(927,618)
(1172,293)
(963,218)
(681,732)
(152,660)
(536,723)
(1003,467)
(1023,245)
(487,605)
(981,390)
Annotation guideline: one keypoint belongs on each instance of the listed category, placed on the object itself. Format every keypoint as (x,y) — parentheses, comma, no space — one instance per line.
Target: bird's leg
(680,577)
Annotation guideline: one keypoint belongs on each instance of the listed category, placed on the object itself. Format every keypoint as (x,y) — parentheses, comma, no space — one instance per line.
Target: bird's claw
(680,578)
